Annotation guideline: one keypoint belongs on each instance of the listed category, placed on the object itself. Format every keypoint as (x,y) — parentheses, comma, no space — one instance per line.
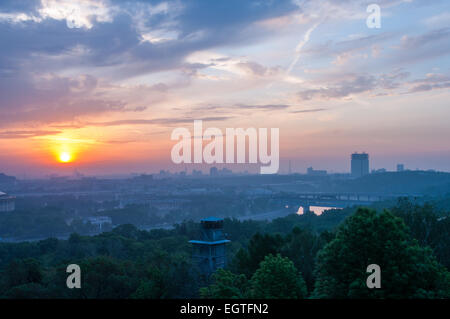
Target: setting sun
(65,157)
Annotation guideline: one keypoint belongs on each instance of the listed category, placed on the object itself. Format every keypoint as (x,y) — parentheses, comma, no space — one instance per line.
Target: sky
(105,82)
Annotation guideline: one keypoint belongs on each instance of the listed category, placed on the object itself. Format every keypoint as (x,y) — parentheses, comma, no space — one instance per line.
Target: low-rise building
(7,203)
(316,172)
(99,221)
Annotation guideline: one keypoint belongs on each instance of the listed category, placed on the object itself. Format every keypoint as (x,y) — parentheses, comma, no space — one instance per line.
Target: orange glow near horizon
(66,148)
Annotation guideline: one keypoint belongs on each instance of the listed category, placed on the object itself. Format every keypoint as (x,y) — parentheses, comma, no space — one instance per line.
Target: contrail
(300,45)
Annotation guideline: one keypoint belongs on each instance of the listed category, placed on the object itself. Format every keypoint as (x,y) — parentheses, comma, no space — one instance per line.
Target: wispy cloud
(160,121)
(300,45)
(309,110)
(430,82)
(26,134)
(263,106)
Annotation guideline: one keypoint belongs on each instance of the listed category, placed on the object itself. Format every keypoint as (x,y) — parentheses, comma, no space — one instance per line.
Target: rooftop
(202,242)
(211,219)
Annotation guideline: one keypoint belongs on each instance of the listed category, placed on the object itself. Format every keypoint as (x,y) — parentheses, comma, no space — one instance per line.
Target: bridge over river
(338,200)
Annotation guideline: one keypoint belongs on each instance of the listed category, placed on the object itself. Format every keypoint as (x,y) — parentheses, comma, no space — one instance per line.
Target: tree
(23,271)
(103,277)
(225,285)
(277,278)
(147,290)
(428,225)
(259,247)
(27,291)
(407,270)
(301,247)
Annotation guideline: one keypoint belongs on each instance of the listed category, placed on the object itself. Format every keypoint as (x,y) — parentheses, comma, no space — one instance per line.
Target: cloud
(428,45)
(349,46)
(49,98)
(354,83)
(427,38)
(230,16)
(256,69)
(53,44)
(300,45)
(439,20)
(77,14)
(235,108)
(160,121)
(395,81)
(26,134)
(114,33)
(309,110)
(67,61)
(263,106)
(430,82)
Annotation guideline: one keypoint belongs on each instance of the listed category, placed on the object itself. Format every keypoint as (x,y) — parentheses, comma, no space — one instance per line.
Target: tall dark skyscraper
(360,164)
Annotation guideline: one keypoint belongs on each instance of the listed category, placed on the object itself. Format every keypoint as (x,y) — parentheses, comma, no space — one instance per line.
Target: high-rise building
(400,167)
(360,164)
(209,252)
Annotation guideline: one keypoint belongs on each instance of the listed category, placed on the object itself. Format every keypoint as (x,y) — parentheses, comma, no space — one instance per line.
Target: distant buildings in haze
(214,171)
(315,172)
(197,173)
(99,222)
(5,179)
(7,203)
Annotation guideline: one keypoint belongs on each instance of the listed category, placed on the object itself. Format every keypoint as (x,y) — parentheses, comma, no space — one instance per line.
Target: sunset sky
(103,83)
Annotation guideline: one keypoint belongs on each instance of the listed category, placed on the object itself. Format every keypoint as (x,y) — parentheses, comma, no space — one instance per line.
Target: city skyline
(224,169)
(99,86)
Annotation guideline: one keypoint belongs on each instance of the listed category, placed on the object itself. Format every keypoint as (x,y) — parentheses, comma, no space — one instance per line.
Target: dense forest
(298,256)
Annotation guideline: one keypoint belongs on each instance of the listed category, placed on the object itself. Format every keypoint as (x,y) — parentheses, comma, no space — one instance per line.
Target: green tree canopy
(23,271)
(226,285)
(277,278)
(260,245)
(407,270)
